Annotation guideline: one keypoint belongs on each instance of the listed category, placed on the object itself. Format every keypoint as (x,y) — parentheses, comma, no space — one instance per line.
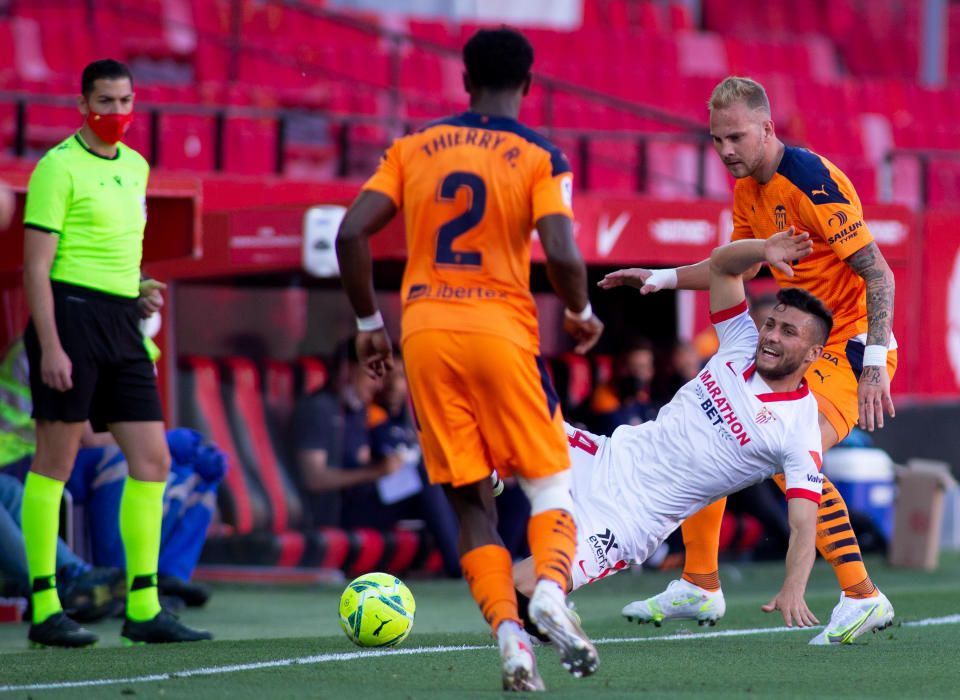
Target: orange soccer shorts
(834,383)
(481,403)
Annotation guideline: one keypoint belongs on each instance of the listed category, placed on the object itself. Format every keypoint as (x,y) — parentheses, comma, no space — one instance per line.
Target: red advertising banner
(633,231)
(937,340)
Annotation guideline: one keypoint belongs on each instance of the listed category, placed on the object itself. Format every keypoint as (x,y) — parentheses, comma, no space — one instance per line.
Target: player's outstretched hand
(873,397)
(785,247)
(793,607)
(375,352)
(638,277)
(586,333)
(151,297)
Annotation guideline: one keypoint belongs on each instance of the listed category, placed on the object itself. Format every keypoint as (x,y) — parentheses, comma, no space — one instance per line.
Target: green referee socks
(141,517)
(40,520)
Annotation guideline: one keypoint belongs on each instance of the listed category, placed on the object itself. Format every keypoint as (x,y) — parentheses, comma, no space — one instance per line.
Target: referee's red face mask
(109,128)
(109,109)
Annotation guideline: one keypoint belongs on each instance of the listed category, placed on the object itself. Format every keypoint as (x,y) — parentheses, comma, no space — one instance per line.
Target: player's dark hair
(808,303)
(498,59)
(105,68)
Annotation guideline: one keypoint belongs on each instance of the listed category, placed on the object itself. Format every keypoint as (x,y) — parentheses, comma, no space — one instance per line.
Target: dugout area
(247,330)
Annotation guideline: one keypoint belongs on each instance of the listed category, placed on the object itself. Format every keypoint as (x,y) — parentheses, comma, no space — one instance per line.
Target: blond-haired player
(777,187)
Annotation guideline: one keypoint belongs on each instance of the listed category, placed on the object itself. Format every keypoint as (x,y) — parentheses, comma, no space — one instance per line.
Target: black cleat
(195,595)
(58,630)
(165,628)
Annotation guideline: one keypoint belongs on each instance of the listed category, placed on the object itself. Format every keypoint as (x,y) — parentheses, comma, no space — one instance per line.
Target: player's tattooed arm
(869,263)
(873,390)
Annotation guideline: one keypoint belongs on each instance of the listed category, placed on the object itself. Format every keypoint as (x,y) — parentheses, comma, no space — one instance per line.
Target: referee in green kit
(84,221)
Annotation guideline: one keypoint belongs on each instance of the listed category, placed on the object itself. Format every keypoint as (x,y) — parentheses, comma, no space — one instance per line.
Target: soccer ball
(376,610)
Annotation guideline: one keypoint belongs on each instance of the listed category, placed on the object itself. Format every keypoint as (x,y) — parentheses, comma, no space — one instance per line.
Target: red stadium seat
(201,407)
(703,54)
(905,175)
(366,551)
(279,393)
(680,17)
(293,545)
(573,379)
(672,172)
(406,545)
(255,446)
(313,375)
(31,64)
(186,142)
(613,165)
(602,368)
(138,136)
(8,128)
(250,146)
(335,548)
(943,178)
(48,125)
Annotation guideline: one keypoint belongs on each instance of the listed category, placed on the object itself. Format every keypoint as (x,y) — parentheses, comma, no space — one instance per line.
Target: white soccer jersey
(723,431)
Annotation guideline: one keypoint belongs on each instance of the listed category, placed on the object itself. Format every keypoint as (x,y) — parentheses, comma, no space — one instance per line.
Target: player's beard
(784,367)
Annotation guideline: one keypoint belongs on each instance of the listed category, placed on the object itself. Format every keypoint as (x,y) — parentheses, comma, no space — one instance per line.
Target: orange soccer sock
(553,542)
(701,540)
(489,573)
(838,544)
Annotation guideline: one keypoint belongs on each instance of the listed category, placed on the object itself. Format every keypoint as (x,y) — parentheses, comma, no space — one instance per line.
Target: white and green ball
(376,610)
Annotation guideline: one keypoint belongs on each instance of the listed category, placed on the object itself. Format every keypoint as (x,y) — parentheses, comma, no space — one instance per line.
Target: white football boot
(854,617)
(519,664)
(681,601)
(549,611)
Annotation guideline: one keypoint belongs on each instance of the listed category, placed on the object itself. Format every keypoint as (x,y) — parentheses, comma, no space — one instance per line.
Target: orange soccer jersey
(472,187)
(811,194)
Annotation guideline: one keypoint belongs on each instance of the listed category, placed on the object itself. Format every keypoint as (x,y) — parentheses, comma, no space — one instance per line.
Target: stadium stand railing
(292,87)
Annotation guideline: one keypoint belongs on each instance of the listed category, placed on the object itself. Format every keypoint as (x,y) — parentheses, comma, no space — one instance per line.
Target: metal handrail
(689,130)
(581,138)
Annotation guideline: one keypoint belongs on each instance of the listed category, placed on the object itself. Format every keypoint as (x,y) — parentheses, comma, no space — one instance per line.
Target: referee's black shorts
(113,378)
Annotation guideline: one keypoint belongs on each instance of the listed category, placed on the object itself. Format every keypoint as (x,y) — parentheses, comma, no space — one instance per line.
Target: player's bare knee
(57,446)
(153,466)
(549,492)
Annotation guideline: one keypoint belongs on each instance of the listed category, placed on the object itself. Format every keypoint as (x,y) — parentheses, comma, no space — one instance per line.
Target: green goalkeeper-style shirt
(98,208)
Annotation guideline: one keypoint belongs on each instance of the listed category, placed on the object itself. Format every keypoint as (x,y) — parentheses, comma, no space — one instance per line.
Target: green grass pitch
(287,642)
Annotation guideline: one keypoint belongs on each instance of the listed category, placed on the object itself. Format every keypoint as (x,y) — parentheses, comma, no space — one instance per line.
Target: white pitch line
(373,653)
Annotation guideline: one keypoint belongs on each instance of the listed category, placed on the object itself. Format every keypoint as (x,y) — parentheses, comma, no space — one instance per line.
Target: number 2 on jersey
(458,226)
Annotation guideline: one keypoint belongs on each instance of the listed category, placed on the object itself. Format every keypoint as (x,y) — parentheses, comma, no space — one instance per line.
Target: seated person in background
(626,399)
(406,493)
(87,593)
(684,365)
(359,457)
(331,441)
(97,481)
